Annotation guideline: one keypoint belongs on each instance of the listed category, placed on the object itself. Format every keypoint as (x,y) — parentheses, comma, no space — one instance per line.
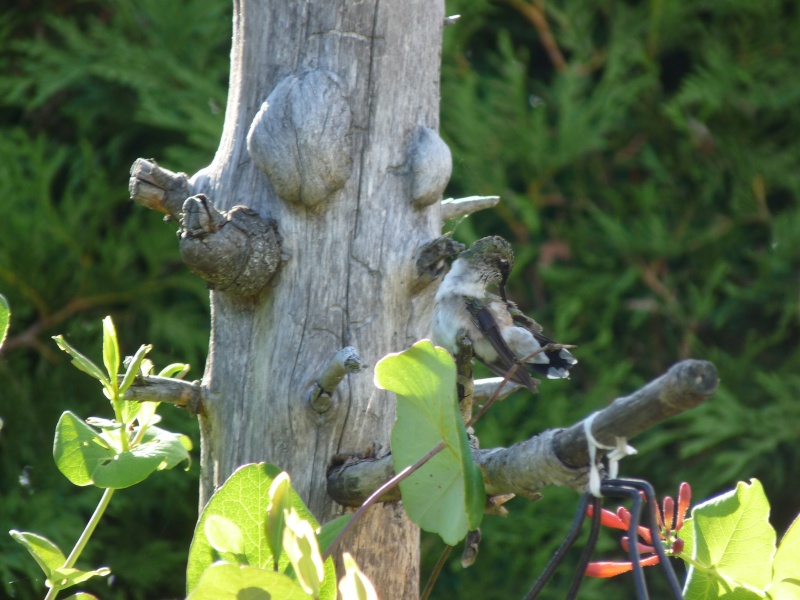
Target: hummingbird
(500,333)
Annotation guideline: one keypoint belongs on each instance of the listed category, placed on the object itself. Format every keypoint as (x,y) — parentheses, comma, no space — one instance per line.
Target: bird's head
(493,258)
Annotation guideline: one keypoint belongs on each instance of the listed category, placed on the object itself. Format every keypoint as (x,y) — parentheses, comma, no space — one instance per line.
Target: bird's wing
(559,361)
(522,320)
(484,320)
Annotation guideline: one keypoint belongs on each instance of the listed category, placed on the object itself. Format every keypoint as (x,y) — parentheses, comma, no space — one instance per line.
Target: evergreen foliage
(86,89)
(650,188)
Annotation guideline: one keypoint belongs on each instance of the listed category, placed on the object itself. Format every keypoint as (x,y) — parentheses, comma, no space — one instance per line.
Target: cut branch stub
(320,394)
(237,251)
(299,138)
(452,208)
(431,167)
(431,260)
(151,388)
(157,188)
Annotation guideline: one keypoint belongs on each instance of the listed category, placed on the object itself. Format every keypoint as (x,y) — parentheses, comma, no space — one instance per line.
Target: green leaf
(82,596)
(687,535)
(225,581)
(244,499)
(51,560)
(173,448)
(5,319)
(734,543)
(300,544)
(78,449)
(134,366)
(223,534)
(355,585)
(110,350)
(175,370)
(64,578)
(82,363)
(44,552)
(446,495)
(786,567)
(132,410)
(85,457)
(788,589)
(279,502)
(328,532)
(102,423)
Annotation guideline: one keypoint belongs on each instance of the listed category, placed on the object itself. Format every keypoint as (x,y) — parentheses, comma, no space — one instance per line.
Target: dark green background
(650,187)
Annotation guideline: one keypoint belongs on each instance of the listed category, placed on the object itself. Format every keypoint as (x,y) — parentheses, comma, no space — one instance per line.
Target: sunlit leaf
(735,544)
(44,552)
(133,367)
(279,503)
(223,534)
(786,567)
(5,319)
(110,349)
(85,457)
(81,362)
(225,581)
(300,544)
(355,585)
(446,495)
(244,499)
(67,577)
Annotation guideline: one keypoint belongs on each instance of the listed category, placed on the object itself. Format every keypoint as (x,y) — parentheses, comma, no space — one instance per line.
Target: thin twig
(535,14)
(29,337)
(509,374)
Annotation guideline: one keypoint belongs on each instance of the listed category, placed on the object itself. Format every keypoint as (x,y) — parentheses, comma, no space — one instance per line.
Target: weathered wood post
(330,147)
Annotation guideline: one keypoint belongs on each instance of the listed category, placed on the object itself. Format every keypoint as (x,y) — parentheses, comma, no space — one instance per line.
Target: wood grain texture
(349,269)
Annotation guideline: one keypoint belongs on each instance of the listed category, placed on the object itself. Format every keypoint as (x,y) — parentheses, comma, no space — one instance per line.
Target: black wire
(628,488)
(655,533)
(591,543)
(558,555)
(620,487)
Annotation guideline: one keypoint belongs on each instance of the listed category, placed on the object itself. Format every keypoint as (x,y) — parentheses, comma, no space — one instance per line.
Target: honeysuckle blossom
(669,524)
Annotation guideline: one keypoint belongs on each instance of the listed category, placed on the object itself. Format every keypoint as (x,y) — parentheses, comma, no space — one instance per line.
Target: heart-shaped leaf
(445,496)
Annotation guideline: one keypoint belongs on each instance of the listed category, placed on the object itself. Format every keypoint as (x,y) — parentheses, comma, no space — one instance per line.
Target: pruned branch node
(237,251)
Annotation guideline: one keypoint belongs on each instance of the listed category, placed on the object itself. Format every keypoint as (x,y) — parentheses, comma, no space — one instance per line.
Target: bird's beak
(502,288)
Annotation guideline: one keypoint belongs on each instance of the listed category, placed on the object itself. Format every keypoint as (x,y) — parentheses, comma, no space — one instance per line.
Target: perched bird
(499,332)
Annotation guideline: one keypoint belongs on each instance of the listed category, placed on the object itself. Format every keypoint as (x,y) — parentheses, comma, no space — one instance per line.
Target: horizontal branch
(685,385)
(183,394)
(557,456)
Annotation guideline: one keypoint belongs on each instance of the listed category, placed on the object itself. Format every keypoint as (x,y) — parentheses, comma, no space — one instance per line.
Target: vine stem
(83,540)
(408,471)
(435,574)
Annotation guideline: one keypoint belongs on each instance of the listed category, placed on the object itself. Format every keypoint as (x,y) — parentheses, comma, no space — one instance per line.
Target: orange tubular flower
(669,523)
